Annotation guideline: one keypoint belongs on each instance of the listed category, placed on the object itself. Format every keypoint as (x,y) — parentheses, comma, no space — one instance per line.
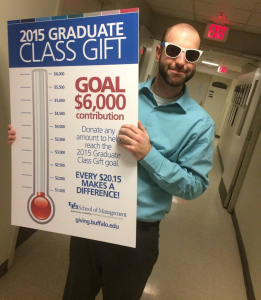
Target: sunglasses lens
(172,50)
(192,55)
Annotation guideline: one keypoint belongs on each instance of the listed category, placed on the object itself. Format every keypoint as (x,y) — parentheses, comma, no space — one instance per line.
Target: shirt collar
(184,101)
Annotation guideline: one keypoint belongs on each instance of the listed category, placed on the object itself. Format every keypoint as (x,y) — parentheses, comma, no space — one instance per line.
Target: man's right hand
(11,135)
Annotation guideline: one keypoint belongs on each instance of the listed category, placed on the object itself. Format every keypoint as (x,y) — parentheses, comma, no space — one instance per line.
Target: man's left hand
(135,139)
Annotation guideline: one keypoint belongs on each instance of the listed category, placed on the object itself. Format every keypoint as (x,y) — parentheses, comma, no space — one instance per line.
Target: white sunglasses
(173,51)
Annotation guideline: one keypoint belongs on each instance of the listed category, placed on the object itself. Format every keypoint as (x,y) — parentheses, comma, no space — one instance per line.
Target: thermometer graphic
(40,205)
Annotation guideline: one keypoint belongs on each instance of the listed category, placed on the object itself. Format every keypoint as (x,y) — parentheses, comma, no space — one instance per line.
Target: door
(216,98)
(246,152)
(236,135)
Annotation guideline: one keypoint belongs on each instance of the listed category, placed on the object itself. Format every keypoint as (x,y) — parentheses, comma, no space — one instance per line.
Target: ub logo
(73,205)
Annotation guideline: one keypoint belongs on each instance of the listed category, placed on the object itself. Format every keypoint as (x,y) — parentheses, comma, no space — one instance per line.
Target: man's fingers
(134,128)
(140,126)
(131,127)
(135,140)
(128,132)
(125,139)
(126,146)
(11,132)
(11,137)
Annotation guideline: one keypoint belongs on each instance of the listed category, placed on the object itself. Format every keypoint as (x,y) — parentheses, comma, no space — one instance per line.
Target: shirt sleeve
(188,177)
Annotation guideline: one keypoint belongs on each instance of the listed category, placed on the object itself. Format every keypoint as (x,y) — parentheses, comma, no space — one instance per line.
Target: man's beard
(175,80)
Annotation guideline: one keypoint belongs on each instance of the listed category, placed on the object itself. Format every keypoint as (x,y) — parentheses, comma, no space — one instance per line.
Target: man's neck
(163,90)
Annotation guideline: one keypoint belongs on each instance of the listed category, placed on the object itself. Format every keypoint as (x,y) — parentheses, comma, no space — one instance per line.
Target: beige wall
(12,10)
(70,7)
(248,212)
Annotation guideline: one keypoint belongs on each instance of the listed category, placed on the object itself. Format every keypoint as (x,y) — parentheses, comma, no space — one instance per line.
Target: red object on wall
(222,70)
(216,32)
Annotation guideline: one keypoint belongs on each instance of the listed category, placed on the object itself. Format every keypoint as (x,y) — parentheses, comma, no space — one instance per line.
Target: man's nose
(180,60)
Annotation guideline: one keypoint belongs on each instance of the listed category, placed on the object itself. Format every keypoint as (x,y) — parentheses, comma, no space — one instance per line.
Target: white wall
(12,10)
(248,211)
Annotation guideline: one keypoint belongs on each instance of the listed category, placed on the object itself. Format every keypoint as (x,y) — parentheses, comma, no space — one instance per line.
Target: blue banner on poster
(100,40)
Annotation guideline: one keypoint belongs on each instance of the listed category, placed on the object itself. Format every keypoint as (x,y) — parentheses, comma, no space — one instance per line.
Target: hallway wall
(248,209)
(12,10)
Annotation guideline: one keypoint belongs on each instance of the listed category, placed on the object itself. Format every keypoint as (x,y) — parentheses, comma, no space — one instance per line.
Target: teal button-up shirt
(182,136)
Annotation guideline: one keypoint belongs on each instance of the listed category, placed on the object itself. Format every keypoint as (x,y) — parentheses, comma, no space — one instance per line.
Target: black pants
(121,272)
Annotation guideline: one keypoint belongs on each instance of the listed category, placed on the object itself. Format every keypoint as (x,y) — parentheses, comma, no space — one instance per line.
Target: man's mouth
(176,71)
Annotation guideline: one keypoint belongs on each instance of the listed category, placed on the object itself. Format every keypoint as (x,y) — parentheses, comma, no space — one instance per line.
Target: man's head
(177,71)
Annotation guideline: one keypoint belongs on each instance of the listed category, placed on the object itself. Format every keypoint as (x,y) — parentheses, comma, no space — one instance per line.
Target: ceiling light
(209,63)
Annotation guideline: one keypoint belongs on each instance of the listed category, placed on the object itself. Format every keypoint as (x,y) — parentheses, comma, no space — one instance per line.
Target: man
(173,145)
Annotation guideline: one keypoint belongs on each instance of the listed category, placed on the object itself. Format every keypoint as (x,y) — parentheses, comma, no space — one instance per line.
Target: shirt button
(155,109)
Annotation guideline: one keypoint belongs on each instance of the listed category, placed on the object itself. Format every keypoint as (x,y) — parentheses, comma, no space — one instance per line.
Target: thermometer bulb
(41,207)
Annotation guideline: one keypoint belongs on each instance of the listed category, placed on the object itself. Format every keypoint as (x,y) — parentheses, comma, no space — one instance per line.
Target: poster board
(73,84)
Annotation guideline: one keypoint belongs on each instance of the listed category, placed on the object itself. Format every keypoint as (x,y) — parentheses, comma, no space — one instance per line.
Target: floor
(199,258)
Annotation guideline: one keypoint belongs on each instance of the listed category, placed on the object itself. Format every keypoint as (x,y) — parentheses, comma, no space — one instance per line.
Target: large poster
(73,84)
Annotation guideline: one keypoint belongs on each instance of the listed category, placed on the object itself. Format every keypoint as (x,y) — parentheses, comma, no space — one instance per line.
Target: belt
(141,224)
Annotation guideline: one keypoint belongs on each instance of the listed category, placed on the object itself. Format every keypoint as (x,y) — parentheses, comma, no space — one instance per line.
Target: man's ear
(158,53)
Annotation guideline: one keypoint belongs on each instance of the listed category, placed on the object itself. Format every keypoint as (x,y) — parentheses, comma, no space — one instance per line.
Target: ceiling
(242,15)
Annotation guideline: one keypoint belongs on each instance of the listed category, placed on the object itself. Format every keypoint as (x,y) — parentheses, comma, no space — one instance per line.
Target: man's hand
(135,139)
(11,135)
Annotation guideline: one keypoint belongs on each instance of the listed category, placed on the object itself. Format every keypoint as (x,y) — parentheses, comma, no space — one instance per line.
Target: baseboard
(222,191)
(247,278)
(3,268)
